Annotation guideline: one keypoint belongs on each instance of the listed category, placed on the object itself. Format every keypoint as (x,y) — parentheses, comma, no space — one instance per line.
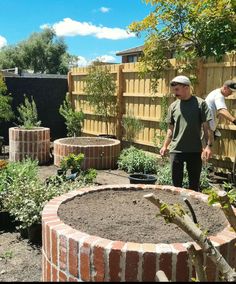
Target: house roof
(137,49)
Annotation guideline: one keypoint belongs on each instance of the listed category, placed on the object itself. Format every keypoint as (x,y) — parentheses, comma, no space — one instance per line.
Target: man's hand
(206,154)
(163,151)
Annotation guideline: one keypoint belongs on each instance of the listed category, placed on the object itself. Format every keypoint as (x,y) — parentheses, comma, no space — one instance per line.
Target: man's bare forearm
(226,114)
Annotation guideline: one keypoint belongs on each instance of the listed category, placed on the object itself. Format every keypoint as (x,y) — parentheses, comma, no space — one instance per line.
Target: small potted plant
(141,166)
(29,139)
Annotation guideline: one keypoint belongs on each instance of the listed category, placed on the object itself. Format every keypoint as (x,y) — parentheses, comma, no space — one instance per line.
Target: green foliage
(163,125)
(164,176)
(100,89)
(133,160)
(28,114)
(42,52)
(213,197)
(72,162)
(73,119)
(187,30)
(132,126)
(24,196)
(6,113)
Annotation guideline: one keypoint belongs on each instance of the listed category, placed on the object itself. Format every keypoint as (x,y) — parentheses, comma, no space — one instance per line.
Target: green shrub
(24,196)
(133,160)
(6,113)
(28,115)
(164,176)
(73,119)
(132,127)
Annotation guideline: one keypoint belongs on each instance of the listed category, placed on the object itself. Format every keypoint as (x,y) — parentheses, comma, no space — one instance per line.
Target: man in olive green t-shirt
(185,118)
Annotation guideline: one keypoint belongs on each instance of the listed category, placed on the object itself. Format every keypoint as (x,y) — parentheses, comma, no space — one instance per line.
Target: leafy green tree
(188,28)
(42,52)
(28,114)
(74,119)
(6,113)
(100,89)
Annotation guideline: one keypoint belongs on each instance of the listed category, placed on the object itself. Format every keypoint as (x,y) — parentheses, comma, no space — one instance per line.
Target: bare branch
(186,224)
(227,208)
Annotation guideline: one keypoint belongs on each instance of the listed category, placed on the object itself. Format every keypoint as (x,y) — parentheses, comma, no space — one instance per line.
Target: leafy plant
(74,119)
(23,195)
(132,126)
(164,176)
(6,113)
(100,89)
(28,114)
(186,29)
(72,162)
(133,160)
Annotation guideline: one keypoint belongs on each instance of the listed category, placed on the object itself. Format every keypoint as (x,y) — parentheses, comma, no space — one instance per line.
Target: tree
(100,89)
(42,52)
(73,119)
(6,113)
(190,29)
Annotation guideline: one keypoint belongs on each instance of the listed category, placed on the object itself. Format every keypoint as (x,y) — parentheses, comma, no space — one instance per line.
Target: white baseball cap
(231,84)
(181,80)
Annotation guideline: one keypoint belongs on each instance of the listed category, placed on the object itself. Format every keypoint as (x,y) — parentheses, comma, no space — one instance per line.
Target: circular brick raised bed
(33,143)
(99,153)
(72,255)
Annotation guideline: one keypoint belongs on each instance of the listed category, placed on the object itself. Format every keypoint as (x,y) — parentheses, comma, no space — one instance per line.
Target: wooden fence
(134,95)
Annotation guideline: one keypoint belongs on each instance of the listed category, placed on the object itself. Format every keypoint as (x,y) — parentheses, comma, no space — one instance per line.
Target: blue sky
(91,28)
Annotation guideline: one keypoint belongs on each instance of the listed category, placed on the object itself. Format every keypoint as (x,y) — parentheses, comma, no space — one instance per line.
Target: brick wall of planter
(33,143)
(72,255)
(99,157)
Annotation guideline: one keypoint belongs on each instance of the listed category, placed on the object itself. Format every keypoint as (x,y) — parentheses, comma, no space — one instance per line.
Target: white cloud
(104,9)
(69,27)
(106,58)
(83,62)
(3,41)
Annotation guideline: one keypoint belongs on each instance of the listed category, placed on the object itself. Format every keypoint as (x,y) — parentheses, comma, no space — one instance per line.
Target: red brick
(54,247)
(47,243)
(99,255)
(115,261)
(182,273)
(132,261)
(48,271)
(72,279)
(63,252)
(62,277)
(210,270)
(149,263)
(73,257)
(165,259)
(54,274)
(85,250)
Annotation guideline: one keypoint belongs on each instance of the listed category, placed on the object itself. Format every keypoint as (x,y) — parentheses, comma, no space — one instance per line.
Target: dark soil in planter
(126,215)
(86,141)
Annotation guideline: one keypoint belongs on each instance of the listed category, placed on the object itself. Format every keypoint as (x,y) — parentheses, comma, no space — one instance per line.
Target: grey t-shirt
(187,117)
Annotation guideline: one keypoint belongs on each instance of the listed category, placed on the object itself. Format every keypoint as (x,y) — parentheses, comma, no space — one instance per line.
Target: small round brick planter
(72,255)
(99,153)
(33,143)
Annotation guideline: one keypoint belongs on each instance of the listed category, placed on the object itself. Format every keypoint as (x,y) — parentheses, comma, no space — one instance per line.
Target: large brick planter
(33,143)
(101,157)
(72,255)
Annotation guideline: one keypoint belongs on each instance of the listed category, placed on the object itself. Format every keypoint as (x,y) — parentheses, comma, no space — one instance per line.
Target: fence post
(201,79)
(69,81)
(120,85)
